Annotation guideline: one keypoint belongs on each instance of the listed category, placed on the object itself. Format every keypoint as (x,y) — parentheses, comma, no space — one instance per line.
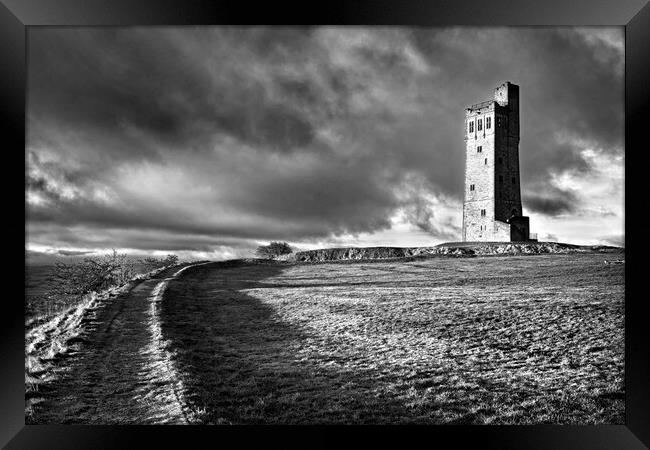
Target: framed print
(241,216)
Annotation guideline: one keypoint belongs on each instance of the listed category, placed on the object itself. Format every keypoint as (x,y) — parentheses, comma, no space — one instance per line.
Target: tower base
(516,229)
(519,228)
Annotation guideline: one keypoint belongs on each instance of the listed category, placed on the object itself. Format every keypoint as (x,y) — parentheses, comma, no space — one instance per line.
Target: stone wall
(479,171)
(447,249)
(500,231)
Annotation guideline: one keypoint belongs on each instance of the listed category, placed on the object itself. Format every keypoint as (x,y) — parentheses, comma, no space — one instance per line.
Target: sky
(209,141)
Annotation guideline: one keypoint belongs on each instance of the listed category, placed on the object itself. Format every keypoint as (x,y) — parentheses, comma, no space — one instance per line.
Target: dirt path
(123,373)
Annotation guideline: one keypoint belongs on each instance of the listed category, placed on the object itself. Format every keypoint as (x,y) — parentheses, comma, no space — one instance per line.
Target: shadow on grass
(241,364)
(237,363)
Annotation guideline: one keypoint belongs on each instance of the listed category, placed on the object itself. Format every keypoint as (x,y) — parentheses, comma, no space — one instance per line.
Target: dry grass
(53,289)
(485,340)
(98,361)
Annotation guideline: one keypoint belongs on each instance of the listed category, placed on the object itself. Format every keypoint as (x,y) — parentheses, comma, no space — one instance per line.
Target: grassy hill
(484,340)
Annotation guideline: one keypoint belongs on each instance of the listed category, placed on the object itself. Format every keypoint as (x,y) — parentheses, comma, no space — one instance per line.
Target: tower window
(486,161)
(471,126)
(479,149)
(471,187)
(483,212)
(488,123)
(498,122)
(479,125)
(513,180)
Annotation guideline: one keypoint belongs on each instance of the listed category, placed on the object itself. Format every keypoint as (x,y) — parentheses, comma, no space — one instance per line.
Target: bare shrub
(69,283)
(273,250)
(93,274)
(152,263)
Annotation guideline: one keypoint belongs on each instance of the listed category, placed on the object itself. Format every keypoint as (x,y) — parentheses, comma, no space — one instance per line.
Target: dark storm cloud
(73,252)
(35,183)
(293,133)
(141,82)
(419,212)
(550,200)
(551,206)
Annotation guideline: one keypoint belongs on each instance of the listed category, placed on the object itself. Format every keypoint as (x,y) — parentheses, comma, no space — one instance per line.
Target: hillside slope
(446,249)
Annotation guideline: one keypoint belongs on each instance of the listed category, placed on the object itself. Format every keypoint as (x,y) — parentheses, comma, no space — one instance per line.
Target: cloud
(615,240)
(201,138)
(426,209)
(548,237)
(74,252)
(549,206)
(551,201)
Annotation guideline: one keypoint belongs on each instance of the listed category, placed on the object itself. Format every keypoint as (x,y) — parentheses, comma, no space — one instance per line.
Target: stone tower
(492,202)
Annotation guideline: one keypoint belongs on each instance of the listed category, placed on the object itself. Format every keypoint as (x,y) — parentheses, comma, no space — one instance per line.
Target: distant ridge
(454,249)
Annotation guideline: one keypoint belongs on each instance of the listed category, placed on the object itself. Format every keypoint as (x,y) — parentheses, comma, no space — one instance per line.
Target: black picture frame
(17,15)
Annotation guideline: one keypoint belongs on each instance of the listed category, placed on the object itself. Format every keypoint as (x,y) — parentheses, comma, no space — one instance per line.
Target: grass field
(485,340)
